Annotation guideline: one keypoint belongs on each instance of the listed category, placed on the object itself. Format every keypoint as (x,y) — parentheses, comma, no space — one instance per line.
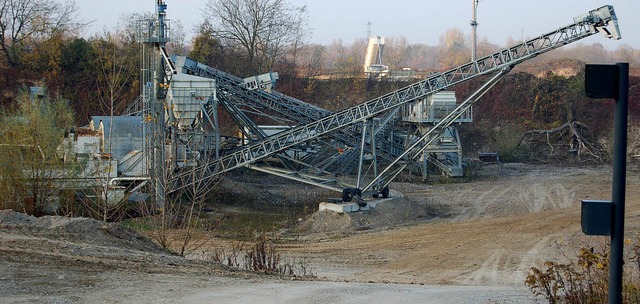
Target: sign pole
(619,183)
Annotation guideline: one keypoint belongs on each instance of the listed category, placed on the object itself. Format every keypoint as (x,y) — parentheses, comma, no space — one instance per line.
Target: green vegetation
(32,158)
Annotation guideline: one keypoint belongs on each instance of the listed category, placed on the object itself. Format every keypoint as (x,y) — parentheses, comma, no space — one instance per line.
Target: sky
(420,21)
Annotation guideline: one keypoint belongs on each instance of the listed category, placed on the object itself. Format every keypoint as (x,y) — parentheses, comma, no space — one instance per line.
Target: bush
(31,157)
(585,280)
(261,257)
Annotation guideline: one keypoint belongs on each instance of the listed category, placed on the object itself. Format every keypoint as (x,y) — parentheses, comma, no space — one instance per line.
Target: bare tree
(178,39)
(312,59)
(453,49)
(115,72)
(262,29)
(23,21)
(174,224)
(300,33)
(395,51)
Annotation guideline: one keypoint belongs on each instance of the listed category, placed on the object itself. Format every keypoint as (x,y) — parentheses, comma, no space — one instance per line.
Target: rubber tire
(347,195)
(385,192)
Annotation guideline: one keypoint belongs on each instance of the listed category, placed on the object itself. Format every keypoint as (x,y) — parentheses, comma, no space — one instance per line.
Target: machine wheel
(347,195)
(357,195)
(385,192)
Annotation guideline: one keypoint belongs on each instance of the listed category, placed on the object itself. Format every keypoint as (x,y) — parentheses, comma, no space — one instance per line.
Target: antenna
(369,29)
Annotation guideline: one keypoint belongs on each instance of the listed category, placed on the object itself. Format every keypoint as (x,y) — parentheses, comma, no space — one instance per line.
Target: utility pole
(607,217)
(619,183)
(474,28)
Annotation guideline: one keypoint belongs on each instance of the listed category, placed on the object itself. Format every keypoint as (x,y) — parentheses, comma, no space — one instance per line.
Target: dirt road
(469,243)
(489,233)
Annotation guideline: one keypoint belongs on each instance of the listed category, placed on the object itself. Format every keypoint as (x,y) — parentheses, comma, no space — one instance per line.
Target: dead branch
(581,144)
(577,142)
(539,132)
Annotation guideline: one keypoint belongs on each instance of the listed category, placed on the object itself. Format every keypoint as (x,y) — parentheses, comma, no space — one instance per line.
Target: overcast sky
(420,21)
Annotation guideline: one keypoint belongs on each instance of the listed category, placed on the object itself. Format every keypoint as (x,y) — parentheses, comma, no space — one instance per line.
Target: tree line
(98,75)
(41,45)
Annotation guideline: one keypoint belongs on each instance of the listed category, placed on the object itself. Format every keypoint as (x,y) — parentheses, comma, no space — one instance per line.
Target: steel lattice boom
(600,20)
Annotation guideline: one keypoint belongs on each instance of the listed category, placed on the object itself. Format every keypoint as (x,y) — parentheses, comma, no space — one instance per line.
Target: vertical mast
(161,9)
(152,35)
(474,29)
(159,143)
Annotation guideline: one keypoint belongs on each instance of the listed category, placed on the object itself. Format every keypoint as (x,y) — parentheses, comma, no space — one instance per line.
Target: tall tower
(153,35)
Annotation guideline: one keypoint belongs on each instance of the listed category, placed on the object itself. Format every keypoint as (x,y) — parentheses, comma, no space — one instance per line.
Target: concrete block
(352,207)
(323,206)
(340,208)
(374,202)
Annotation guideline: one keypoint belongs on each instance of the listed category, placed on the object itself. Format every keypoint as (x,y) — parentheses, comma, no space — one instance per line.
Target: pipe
(134,178)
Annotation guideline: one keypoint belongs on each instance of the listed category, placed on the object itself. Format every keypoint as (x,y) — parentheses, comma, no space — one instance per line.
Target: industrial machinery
(602,20)
(421,116)
(375,69)
(183,150)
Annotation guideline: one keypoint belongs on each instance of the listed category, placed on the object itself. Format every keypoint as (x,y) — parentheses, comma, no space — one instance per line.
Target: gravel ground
(470,242)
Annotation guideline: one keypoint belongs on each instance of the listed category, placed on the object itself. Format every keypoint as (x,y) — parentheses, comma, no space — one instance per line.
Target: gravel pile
(76,230)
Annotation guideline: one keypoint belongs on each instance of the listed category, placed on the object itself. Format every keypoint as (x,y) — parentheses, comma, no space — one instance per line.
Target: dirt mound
(326,221)
(392,212)
(75,230)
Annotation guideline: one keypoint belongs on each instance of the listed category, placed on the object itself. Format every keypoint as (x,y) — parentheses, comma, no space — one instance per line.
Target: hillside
(542,94)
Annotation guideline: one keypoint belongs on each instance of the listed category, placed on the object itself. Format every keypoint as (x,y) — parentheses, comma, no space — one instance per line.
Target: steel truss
(357,122)
(285,106)
(233,94)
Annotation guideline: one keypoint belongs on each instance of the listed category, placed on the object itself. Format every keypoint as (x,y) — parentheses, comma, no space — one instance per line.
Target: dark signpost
(607,217)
